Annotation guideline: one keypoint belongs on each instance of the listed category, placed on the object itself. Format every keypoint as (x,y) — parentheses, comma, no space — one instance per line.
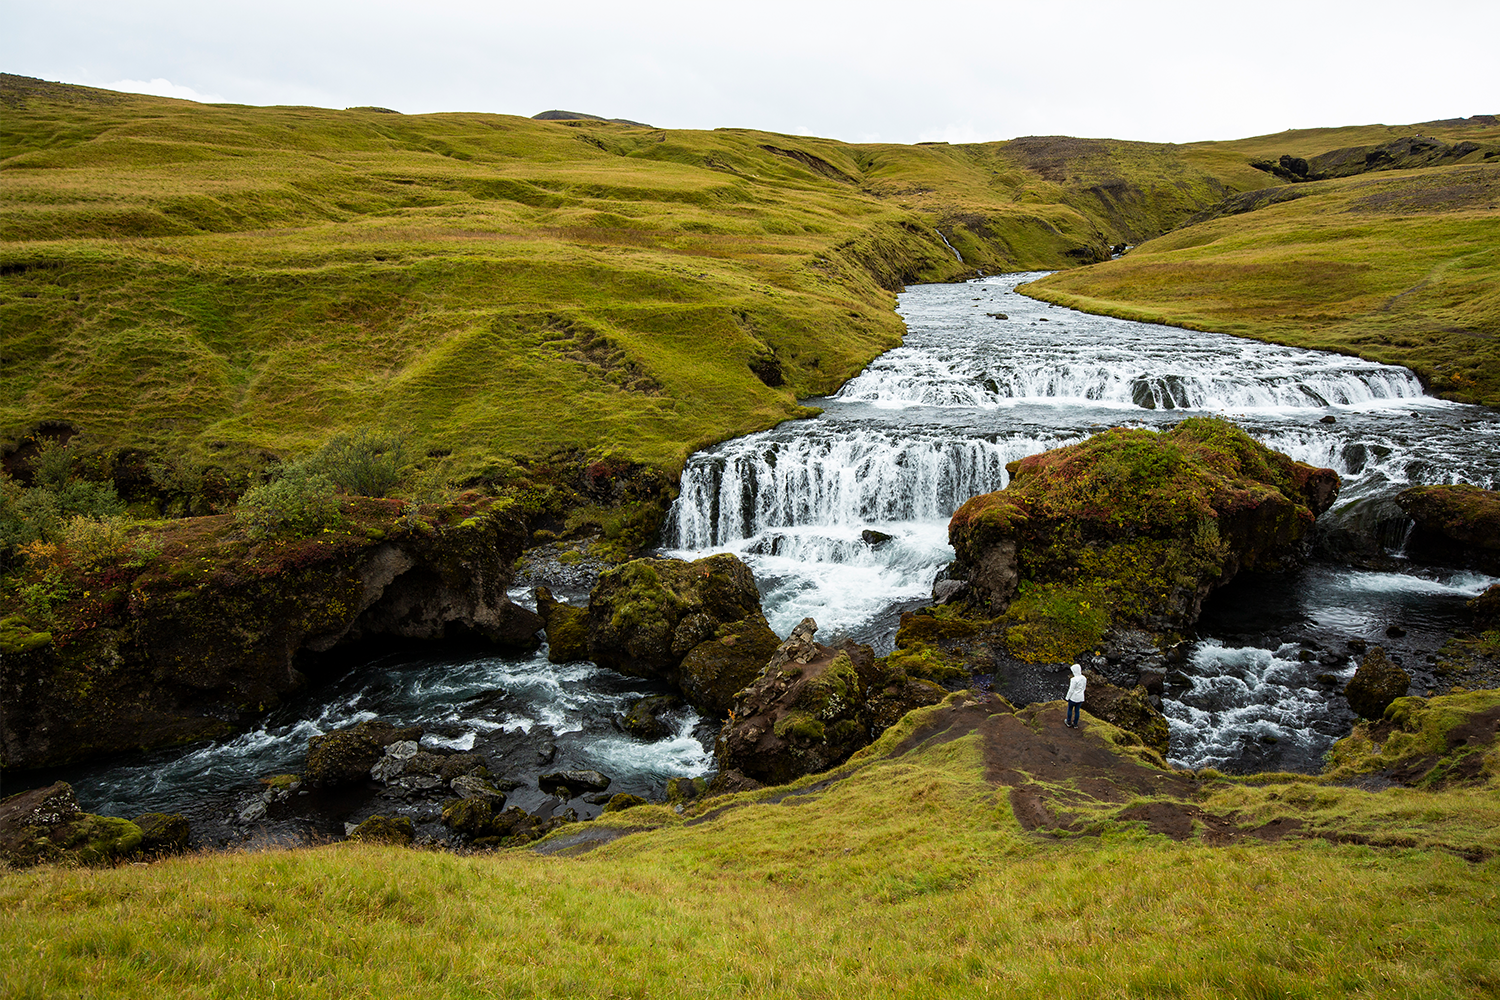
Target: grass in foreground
(910,877)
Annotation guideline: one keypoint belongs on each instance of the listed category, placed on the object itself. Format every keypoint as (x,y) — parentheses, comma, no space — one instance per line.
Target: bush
(366,463)
(297,502)
(97,541)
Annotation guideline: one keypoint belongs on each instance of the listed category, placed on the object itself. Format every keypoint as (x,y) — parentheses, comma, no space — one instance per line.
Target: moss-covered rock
(349,754)
(718,668)
(644,718)
(220,627)
(1376,684)
(567,627)
(1131,528)
(812,707)
(395,830)
(623,800)
(163,833)
(1130,710)
(45,825)
(649,617)
(1455,525)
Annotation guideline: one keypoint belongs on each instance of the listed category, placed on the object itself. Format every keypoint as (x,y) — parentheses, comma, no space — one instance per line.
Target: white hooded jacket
(1077,685)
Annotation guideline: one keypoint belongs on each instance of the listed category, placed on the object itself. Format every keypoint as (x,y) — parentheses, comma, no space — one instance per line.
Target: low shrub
(366,463)
(297,502)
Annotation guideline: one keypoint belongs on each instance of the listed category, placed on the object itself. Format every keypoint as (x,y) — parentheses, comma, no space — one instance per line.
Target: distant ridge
(576,116)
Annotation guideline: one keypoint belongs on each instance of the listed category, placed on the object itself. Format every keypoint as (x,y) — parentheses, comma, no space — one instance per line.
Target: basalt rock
(1131,529)
(576,782)
(1455,526)
(812,707)
(649,617)
(351,754)
(1376,684)
(1486,608)
(220,629)
(46,825)
(567,627)
(1130,710)
(395,830)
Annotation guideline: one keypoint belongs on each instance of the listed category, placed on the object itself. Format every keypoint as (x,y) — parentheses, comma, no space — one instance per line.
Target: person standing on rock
(1075,695)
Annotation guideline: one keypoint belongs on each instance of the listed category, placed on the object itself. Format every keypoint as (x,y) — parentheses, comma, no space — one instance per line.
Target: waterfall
(950,246)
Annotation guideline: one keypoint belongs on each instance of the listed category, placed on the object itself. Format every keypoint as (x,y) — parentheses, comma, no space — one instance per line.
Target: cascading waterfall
(986,376)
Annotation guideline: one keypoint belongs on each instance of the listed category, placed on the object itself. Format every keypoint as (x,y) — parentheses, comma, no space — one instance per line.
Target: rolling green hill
(222,284)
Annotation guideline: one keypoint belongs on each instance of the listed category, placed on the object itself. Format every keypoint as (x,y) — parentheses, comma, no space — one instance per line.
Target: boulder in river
(576,782)
(350,754)
(1455,525)
(812,707)
(1376,684)
(1131,529)
(395,830)
(644,720)
(567,627)
(647,617)
(163,833)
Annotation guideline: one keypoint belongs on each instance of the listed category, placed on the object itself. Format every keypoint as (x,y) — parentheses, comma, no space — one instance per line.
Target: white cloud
(163,88)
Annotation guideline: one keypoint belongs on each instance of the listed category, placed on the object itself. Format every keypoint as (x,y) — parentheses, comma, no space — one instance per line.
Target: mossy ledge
(1130,529)
(219,626)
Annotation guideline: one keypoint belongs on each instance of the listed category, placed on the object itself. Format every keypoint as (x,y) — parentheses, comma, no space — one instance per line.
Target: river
(984,376)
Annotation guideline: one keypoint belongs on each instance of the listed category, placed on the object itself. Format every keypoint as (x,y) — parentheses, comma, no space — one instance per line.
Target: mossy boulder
(1455,525)
(1486,608)
(647,618)
(1129,709)
(567,627)
(644,719)
(349,754)
(621,801)
(1376,684)
(163,833)
(717,669)
(45,825)
(394,830)
(812,707)
(1131,528)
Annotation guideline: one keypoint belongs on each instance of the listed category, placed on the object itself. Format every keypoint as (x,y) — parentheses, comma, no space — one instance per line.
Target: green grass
(909,877)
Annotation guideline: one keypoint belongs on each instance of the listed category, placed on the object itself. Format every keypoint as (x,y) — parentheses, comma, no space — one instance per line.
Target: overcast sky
(869,71)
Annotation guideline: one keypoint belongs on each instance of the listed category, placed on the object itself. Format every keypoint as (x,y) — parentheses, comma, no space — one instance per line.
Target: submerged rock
(1376,684)
(644,718)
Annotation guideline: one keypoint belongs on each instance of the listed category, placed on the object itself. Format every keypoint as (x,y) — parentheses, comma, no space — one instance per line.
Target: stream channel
(984,376)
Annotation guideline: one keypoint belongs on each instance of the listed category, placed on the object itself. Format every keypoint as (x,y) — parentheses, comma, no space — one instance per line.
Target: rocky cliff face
(218,629)
(1455,525)
(1131,528)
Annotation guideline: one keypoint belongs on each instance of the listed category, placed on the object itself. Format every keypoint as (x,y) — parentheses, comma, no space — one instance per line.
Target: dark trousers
(1073,708)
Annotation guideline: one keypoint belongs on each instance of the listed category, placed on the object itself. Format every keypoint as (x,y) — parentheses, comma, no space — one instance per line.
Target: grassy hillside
(214,281)
(219,283)
(913,874)
(1398,266)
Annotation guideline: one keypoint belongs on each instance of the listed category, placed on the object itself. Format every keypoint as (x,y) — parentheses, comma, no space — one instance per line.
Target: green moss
(1414,730)
(1054,624)
(16,637)
(800,728)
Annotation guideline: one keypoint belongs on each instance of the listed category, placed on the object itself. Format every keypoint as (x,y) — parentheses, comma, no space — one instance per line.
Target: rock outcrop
(1376,684)
(1455,526)
(567,627)
(346,755)
(696,624)
(1130,710)
(1131,529)
(811,708)
(221,627)
(46,825)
